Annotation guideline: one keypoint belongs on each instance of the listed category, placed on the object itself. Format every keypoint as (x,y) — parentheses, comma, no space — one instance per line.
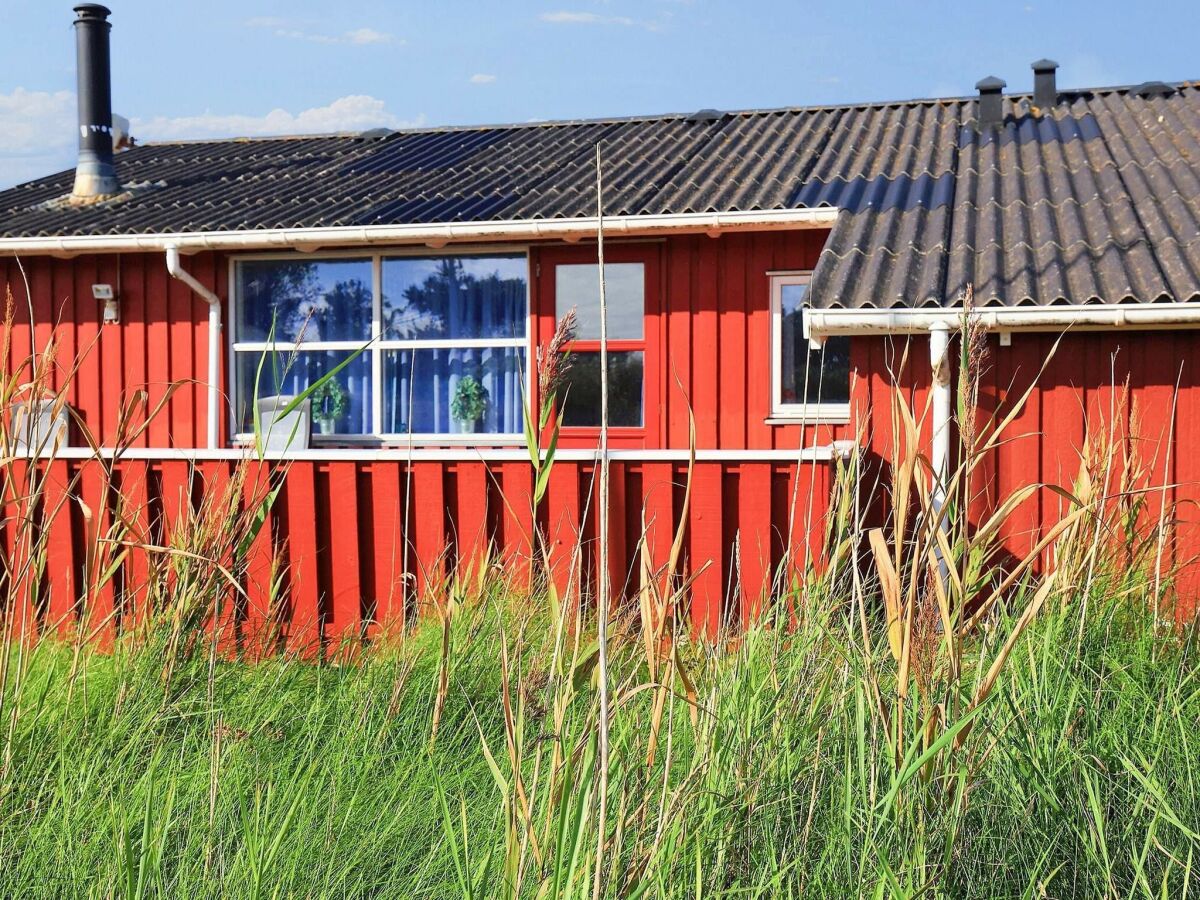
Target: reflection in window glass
(578,287)
(342,406)
(453,391)
(327,300)
(454,297)
(581,405)
(808,375)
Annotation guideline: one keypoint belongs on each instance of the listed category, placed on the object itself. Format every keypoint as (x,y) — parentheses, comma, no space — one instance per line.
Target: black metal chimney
(1045,90)
(991,101)
(94,172)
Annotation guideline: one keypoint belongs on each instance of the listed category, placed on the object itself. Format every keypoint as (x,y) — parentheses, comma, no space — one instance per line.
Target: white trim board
(822,453)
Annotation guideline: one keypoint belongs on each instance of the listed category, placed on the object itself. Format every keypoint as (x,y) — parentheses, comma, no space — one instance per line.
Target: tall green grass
(287,779)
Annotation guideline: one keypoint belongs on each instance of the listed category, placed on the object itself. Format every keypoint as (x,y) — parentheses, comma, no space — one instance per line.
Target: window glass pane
(344,409)
(313,300)
(578,287)
(470,391)
(581,386)
(809,375)
(454,297)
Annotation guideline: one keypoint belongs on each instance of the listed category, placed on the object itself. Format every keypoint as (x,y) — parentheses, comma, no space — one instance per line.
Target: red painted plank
(754,527)
(158,350)
(344,619)
(516,479)
(427,512)
(563,526)
(470,524)
(390,556)
(706,362)
(63,561)
(732,352)
(99,611)
(302,630)
(133,329)
(678,360)
(705,549)
(659,517)
(620,539)
(260,616)
(135,523)
(18,539)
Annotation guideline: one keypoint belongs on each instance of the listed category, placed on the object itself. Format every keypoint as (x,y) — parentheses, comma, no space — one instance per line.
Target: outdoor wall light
(112,311)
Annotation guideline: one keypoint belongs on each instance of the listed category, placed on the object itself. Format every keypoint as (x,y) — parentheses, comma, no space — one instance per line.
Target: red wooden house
(767,270)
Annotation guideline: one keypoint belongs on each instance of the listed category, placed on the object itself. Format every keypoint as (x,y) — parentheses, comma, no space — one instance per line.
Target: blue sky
(216,68)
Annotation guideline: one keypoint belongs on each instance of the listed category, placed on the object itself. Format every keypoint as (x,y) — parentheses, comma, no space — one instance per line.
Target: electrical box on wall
(112,311)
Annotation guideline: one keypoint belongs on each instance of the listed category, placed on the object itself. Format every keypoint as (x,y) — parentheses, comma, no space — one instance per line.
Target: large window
(438,344)
(807,382)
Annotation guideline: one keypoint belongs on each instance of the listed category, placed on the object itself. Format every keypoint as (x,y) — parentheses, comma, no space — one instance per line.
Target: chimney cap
(1044,65)
(92,11)
(991,83)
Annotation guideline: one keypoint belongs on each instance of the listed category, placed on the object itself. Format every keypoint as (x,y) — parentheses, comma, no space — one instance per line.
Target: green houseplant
(329,402)
(469,403)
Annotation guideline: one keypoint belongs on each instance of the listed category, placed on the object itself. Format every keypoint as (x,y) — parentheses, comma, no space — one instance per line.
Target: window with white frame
(437,343)
(806,382)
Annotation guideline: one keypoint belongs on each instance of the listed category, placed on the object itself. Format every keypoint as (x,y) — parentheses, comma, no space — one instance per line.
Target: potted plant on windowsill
(469,403)
(329,403)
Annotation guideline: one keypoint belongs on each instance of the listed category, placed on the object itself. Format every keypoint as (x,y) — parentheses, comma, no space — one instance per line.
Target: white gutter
(821,323)
(435,234)
(214,340)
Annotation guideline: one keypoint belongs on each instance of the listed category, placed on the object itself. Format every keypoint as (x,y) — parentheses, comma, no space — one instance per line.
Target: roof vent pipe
(94,172)
(991,101)
(1045,90)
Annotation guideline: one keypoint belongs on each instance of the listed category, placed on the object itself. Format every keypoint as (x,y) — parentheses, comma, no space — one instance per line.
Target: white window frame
(791,413)
(378,346)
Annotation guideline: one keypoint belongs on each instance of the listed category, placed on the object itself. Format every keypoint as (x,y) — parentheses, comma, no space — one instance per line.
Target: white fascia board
(822,323)
(435,234)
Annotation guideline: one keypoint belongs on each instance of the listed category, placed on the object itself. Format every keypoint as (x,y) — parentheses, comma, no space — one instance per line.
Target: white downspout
(214,340)
(939,344)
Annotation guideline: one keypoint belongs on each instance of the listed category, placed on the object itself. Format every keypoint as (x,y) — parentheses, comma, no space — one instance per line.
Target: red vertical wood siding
(358,545)
(162,338)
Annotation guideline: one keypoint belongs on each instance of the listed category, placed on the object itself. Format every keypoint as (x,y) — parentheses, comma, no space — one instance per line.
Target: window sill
(812,418)
(400,442)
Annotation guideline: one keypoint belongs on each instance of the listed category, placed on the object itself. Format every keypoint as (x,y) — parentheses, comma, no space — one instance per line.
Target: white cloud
(570,17)
(37,134)
(574,17)
(285,28)
(357,112)
(368,36)
(37,128)
(482,78)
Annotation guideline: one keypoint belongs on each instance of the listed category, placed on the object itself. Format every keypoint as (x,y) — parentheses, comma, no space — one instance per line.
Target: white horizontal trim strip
(820,323)
(439,344)
(428,454)
(438,234)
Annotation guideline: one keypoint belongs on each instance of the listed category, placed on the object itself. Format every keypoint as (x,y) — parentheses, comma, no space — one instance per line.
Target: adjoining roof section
(1094,200)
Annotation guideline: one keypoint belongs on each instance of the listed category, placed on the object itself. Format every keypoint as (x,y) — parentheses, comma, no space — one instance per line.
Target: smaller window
(807,382)
(577,287)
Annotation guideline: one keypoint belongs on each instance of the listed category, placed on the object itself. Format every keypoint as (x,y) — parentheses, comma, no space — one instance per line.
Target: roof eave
(438,234)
